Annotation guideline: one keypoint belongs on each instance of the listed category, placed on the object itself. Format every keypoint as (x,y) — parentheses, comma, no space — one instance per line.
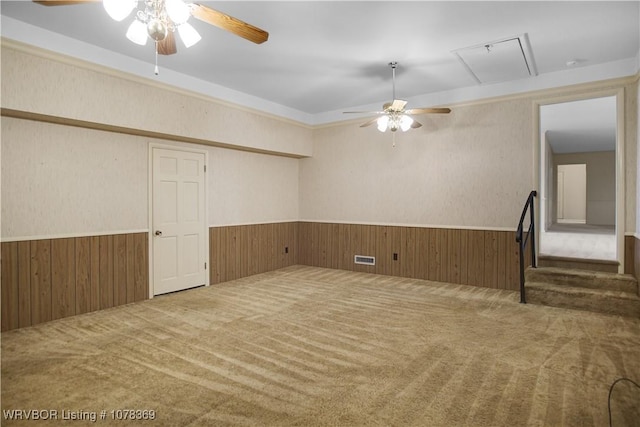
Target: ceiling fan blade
(168,45)
(364,112)
(428,111)
(369,123)
(416,125)
(63,2)
(229,23)
(397,105)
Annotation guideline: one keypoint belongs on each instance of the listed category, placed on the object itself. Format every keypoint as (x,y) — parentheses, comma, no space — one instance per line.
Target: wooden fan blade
(369,123)
(168,45)
(397,105)
(416,125)
(63,2)
(229,23)
(428,111)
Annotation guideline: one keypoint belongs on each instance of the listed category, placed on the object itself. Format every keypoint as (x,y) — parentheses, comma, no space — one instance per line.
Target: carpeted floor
(579,241)
(314,347)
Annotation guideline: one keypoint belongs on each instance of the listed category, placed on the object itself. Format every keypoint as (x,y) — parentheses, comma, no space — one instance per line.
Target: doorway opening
(580,180)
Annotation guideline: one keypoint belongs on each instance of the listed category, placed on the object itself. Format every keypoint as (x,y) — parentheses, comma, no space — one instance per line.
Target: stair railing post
(522,296)
(522,243)
(533,233)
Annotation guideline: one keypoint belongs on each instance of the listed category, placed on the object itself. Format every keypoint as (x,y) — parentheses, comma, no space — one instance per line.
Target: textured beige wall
(64,181)
(473,168)
(248,188)
(470,168)
(60,180)
(34,83)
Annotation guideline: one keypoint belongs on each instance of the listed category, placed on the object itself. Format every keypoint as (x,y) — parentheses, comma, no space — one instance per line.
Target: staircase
(596,291)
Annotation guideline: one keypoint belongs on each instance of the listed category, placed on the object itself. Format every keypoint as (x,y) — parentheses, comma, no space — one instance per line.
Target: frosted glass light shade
(119,9)
(178,11)
(137,33)
(382,122)
(188,34)
(405,123)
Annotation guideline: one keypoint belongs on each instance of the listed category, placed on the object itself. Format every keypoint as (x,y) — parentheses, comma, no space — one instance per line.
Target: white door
(572,193)
(179,230)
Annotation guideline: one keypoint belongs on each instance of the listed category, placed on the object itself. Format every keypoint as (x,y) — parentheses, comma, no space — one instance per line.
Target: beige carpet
(309,346)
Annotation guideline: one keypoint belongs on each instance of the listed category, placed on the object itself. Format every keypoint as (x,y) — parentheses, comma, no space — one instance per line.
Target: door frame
(189,149)
(618,93)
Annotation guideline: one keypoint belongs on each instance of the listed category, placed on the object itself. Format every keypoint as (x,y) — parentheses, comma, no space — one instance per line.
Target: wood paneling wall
(244,250)
(632,256)
(45,280)
(470,257)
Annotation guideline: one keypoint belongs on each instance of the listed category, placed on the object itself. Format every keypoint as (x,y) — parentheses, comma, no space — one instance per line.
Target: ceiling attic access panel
(499,61)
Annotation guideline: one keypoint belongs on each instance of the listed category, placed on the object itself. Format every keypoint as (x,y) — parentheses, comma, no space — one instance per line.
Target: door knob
(158,233)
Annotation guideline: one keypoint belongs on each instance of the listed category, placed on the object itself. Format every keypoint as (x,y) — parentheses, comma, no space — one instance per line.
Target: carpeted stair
(601,292)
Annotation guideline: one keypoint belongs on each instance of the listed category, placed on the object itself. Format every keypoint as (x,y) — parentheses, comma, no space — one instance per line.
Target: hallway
(579,241)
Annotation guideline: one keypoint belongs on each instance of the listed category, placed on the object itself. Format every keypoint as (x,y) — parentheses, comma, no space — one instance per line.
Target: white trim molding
(619,93)
(71,235)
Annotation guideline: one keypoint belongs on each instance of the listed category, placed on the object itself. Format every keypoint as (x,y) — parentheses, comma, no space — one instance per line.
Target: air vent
(499,60)
(366,260)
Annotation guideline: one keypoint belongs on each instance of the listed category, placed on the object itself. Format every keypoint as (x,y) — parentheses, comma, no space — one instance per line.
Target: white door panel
(178,216)
(572,193)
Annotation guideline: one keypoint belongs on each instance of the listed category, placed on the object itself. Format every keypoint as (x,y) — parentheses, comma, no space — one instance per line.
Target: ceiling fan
(159,19)
(393,115)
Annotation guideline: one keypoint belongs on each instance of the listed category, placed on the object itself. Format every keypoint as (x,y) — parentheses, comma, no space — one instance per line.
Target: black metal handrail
(531,233)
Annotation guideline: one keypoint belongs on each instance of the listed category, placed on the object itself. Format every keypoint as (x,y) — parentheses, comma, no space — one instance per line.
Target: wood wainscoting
(472,257)
(45,280)
(632,256)
(244,250)
(50,279)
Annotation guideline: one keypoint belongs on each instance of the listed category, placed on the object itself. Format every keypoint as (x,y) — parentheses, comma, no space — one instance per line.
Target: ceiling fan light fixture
(159,20)
(157,30)
(188,34)
(137,32)
(119,9)
(382,122)
(405,122)
(394,116)
(178,11)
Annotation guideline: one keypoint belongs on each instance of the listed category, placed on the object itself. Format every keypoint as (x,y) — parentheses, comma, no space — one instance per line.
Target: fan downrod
(393,65)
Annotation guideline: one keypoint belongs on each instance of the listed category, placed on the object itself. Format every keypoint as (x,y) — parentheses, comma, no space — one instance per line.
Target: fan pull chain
(156,70)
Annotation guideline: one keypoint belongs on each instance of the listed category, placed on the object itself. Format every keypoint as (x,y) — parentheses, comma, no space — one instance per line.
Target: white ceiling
(324,57)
